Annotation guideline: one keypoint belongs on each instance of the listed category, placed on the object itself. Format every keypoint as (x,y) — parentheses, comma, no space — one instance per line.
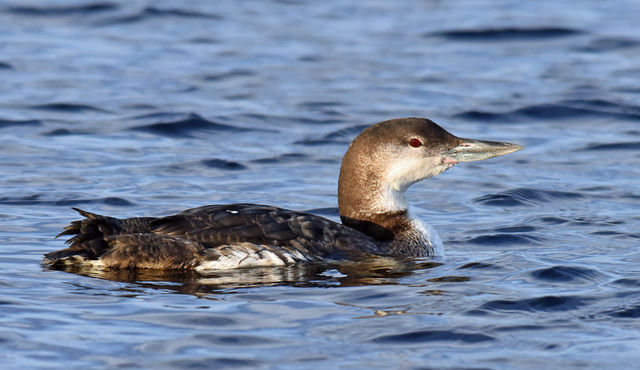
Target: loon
(380,164)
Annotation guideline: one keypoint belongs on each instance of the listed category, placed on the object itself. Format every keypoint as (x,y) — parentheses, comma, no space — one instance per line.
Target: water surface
(151,107)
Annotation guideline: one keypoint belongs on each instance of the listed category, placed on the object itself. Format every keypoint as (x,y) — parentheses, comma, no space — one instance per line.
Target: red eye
(416,143)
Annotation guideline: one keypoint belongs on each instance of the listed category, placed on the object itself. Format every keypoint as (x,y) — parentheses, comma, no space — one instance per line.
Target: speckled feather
(235,235)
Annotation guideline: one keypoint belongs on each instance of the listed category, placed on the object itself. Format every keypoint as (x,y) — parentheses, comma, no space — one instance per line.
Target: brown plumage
(187,239)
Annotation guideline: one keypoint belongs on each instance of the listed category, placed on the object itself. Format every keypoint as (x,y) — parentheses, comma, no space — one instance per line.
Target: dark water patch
(565,109)
(318,142)
(479,266)
(79,9)
(520,328)
(284,158)
(204,40)
(67,107)
(310,58)
(632,312)
(634,145)
(627,282)
(571,109)
(239,97)
(565,274)
(480,115)
(234,73)
(161,115)
(515,229)
(214,363)
(422,336)
(4,65)
(320,105)
(204,321)
(595,221)
(139,106)
(152,12)
(64,132)
(553,220)
(525,196)
(187,127)
(506,33)
(233,340)
(604,44)
(544,304)
(596,188)
(35,199)
(449,279)
(223,164)
(504,239)
(314,121)
(607,233)
(26,122)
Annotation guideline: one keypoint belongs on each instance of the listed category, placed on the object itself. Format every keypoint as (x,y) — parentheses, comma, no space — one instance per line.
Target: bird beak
(474,150)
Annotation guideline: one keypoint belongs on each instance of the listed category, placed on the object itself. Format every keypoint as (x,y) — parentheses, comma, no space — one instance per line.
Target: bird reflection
(374,271)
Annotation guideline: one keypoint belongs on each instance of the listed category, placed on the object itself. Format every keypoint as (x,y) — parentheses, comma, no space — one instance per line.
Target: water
(146,108)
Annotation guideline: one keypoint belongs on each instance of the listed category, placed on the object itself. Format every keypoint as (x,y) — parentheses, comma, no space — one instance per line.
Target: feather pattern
(210,237)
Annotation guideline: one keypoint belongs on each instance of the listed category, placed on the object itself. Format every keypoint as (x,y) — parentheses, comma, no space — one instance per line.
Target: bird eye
(416,143)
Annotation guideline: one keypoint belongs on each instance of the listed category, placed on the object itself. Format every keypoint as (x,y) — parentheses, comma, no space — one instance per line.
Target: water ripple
(566,109)
(602,44)
(544,304)
(565,274)
(506,33)
(283,158)
(228,75)
(151,12)
(634,145)
(422,336)
(26,122)
(524,196)
(67,107)
(35,199)
(632,312)
(80,9)
(223,164)
(214,363)
(187,127)
(504,239)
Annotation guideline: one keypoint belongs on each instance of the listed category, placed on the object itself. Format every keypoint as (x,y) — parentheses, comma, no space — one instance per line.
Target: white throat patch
(410,170)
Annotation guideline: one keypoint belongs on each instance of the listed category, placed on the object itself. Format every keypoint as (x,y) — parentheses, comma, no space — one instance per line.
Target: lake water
(132,108)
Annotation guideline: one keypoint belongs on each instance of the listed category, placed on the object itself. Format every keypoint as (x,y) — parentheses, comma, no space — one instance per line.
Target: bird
(380,164)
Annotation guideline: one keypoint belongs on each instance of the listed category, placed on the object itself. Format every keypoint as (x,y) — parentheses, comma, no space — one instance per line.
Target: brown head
(388,157)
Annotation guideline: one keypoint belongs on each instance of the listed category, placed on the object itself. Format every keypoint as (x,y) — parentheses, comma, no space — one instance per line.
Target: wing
(294,232)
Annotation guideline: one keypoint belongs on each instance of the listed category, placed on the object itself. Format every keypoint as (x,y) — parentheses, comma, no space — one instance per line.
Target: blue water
(132,108)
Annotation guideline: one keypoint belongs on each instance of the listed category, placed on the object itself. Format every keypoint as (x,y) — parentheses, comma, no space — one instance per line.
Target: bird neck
(368,204)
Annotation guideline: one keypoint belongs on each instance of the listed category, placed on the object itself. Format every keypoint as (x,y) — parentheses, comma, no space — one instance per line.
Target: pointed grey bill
(475,150)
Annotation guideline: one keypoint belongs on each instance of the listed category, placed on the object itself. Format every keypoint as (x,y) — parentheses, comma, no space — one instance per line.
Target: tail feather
(91,236)
(86,214)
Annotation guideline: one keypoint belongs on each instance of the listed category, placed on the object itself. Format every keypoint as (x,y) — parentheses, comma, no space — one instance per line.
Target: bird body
(380,164)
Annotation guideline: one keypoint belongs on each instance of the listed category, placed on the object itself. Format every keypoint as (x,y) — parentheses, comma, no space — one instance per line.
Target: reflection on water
(376,271)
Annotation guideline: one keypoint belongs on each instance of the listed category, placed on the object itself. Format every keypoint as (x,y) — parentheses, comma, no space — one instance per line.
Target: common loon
(380,164)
